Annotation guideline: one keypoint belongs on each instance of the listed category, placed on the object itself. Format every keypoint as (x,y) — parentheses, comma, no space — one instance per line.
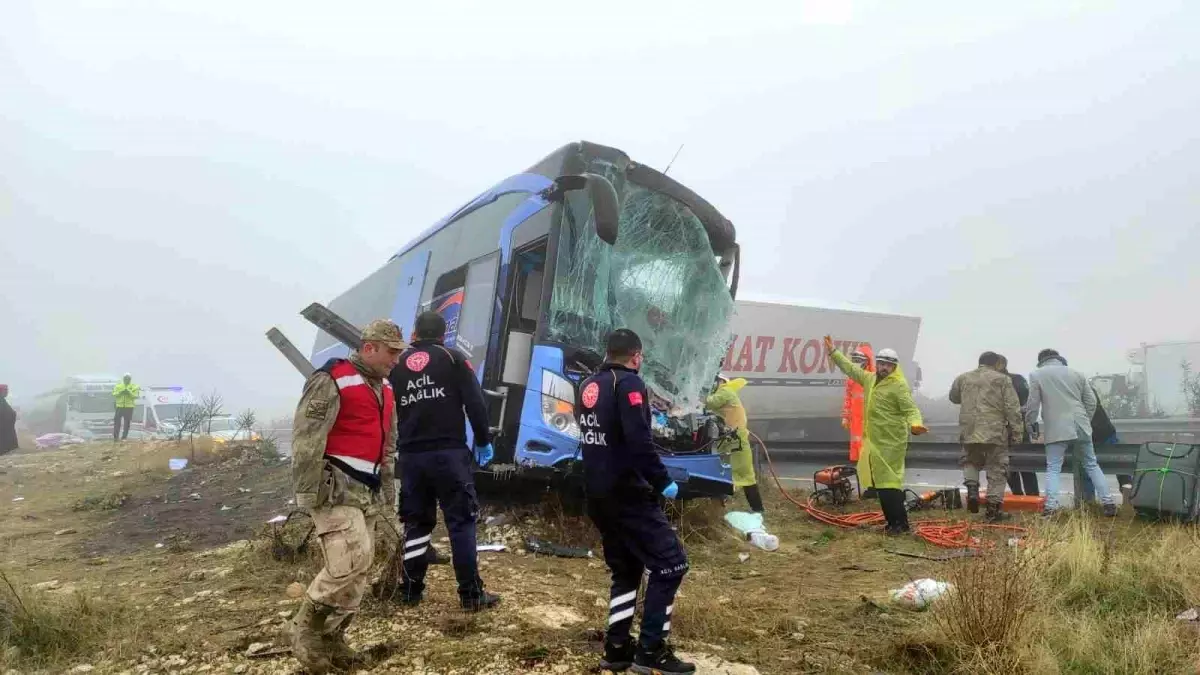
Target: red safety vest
(356,441)
(853,407)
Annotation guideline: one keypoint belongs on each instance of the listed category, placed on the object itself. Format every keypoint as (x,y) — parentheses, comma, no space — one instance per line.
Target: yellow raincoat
(726,403)
(890,416)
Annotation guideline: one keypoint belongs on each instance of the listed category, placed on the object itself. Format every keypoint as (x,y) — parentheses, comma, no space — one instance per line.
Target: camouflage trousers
(347,538)
(993,459)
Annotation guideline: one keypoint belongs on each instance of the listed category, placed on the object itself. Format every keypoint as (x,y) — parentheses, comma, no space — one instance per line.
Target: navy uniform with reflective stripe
(624,476)
(433,385)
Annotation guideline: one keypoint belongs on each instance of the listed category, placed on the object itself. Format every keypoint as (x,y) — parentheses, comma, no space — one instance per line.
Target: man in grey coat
(1067,403)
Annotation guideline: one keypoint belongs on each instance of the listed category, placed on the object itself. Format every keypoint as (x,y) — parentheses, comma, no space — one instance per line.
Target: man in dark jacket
(1020,482)
(8,423)
(434,386)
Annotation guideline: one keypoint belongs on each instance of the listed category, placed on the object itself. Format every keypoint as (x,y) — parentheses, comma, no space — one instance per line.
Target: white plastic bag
(920,593)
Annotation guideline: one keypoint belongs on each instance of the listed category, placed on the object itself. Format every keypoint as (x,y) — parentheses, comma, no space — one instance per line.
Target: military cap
(387,332)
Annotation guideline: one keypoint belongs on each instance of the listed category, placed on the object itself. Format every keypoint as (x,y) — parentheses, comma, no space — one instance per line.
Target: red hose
(943,533)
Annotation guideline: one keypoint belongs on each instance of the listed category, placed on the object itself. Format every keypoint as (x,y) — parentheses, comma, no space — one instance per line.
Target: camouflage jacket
(315,481)
(990,412)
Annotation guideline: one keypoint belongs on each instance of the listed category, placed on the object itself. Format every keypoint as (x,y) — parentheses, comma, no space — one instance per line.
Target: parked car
(225,430)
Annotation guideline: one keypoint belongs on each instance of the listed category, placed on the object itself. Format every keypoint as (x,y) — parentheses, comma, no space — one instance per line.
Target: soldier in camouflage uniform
(343,441)
(989,421)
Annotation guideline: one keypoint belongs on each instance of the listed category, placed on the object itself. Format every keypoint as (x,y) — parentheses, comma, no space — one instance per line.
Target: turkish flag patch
(635,398)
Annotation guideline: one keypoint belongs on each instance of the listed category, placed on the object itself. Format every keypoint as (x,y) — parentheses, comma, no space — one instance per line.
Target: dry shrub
(698,520)
(993,599)
(1073,601)
(39,630)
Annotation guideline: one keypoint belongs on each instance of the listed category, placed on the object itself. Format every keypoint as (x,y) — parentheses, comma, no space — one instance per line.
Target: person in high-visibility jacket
(125,395)
(891,415)
(725,402)
(853,415)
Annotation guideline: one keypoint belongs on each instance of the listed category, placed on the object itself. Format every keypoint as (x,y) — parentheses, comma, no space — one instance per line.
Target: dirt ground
(188,554)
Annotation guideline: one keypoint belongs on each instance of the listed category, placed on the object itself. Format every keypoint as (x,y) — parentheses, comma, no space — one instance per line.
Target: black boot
(995,513)
(617,658)
(972,496)
(753,498)
(482,600)
(661,661)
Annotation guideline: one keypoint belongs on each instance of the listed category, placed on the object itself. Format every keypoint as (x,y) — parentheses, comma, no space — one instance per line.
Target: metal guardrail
(1114,459)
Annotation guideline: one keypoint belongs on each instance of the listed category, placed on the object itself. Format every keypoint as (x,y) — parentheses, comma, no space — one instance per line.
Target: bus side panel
(408,295)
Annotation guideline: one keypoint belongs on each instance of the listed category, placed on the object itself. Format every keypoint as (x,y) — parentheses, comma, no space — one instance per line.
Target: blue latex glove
(483,454)
(671,491)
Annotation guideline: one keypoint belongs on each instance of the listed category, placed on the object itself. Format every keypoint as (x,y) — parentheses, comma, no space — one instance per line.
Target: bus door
(519,296)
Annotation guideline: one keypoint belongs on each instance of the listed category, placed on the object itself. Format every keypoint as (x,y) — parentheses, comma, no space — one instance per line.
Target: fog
(174,182)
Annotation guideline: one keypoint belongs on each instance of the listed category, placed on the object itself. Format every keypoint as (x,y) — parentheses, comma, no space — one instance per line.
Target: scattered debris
(920,593)
(496,521)
(555,617)
(540,547)
(195,495)
(743,557)
(196,575)
(18,499)
(52,585)
(277,519)
(69,530)
(1192,614)
(177,463)
(225,507)
(56,440)
(83,668)
(295,590)
(941,557)
(158,545)
(491,547)
(257,648)
(857,568)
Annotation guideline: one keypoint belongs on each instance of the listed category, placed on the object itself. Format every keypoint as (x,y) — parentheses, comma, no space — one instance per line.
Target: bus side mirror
(605,205)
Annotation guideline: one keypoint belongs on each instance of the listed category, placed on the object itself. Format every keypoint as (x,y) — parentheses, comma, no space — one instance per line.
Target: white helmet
(888,356)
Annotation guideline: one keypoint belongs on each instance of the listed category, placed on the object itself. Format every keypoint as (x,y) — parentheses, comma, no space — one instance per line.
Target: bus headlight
(558,409)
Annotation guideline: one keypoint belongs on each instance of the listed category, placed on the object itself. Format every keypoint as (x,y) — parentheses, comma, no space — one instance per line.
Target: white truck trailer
(1158,384)
(793,391)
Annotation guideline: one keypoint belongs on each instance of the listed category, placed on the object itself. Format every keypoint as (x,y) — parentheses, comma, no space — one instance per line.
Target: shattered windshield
(661,279)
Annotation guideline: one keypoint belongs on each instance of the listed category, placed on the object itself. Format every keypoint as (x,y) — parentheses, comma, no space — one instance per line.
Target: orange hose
(943,533)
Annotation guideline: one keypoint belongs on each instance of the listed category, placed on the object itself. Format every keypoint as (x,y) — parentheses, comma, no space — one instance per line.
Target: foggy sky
(174,182)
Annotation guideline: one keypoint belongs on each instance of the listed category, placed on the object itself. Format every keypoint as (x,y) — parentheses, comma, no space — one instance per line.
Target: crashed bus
(532,275)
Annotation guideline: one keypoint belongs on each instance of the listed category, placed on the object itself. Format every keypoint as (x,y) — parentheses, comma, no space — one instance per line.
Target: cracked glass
(661,279)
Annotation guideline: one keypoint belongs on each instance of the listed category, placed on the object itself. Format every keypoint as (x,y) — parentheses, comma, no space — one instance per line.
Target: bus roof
(575,158)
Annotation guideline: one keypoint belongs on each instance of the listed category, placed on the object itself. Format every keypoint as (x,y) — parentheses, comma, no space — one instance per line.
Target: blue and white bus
(531,276)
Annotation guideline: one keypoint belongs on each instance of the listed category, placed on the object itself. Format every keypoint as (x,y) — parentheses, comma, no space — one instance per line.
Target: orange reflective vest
(853,407)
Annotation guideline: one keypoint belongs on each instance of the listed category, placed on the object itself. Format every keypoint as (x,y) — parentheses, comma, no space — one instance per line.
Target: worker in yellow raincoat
(724,401)
(891,415)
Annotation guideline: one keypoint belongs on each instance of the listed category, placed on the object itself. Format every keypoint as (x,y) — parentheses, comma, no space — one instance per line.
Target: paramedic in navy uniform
(624,477)
(433,385)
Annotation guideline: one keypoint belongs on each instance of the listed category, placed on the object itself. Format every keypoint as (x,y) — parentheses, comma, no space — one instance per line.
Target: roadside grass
(42,630)
(1083,595)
